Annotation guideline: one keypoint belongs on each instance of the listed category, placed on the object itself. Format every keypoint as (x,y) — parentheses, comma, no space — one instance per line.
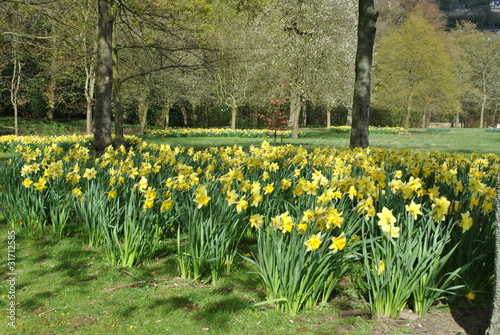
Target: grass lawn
(466,141)
(64,287)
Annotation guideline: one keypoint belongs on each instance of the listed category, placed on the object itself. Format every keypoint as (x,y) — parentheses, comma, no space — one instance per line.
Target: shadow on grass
(58,266)
(213,314)
(473,318)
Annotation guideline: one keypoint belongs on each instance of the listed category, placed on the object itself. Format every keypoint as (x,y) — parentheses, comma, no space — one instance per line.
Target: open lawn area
(456,140)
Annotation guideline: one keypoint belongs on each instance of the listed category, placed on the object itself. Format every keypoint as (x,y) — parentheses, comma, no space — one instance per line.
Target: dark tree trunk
(364,54)
(117,104)
(117,101)
(51,89)
(104,76)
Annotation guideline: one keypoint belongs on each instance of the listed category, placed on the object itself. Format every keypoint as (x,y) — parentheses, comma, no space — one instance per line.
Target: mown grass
(64,287)
(466,141)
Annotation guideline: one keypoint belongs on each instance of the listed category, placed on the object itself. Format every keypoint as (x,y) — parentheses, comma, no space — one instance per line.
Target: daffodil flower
(313,242)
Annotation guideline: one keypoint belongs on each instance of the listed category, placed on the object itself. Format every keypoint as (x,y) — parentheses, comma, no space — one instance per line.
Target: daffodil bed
(217,132)
(252,133)
(422,224)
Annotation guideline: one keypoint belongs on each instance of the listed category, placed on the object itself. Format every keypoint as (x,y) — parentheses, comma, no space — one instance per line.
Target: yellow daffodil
(466,222)
(40,184)
(390,230)
(283,222)
(242,204)
(112,194)
(386,217)
(255,188)
(201,196)
(308,215)
(440,208)
(313,242)
(338,243)
(352,192)
(298,191)
(166,205)
(269,188)
(334,218)
(77,193)
(381,267)
(414,209)
(433,192)
(231,197)
(256,221)
(470,296)
(27,182)
(90,173)
(256,199)
(148,203)
(143,184)
(302,227)
(285,184)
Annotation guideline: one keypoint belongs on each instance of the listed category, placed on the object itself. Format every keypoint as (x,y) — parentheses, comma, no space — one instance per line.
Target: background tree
(233,70)
(104,75)
(312,41)
(414,74)
(481,52)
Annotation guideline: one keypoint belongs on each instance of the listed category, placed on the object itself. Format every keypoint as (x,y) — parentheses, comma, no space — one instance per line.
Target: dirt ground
(472,321)
(439,321)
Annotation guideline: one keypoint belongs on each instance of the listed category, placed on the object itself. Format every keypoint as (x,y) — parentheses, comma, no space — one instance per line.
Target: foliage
(278,120)
(300,262)
(407,264)
(413,73)
(137,199)
(215,132)
(478,53)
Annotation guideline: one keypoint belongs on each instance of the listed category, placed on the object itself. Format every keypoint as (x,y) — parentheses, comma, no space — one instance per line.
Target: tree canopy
(414,74)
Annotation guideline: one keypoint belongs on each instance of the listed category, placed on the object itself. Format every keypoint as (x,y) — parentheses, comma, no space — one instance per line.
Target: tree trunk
(483,103)
(51,89)
(494,328)
(364,55)
(14,87)
(328,117)
(457,120)
(89,94)
(348,121)
(184,115)
(234,112)
(295,105)
(104,76)
(408,112)
(117,104)
(143,106)
(303,110)
(165,114)
(117,101)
